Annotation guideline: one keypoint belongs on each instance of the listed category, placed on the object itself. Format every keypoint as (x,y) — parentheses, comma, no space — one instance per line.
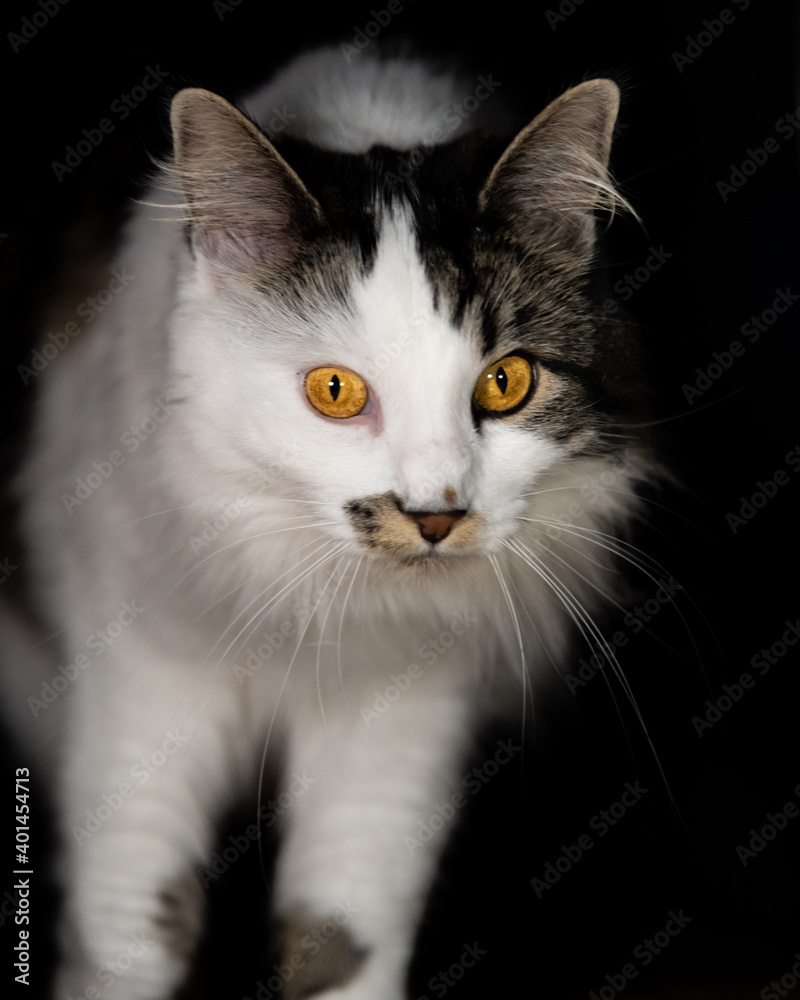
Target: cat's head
(422,342)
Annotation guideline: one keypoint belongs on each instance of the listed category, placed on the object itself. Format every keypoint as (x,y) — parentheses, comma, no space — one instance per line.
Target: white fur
(180,667)
(350,106)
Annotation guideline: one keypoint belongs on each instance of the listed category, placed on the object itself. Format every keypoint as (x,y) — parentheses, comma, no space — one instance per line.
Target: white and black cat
(344,402)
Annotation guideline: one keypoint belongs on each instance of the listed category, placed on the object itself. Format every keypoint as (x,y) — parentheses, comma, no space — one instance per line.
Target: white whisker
(626,551)
(337,547)
(341,624)
(588,628)
(518,632)
(203,506)
(243,583)
(217,552)
(321,632)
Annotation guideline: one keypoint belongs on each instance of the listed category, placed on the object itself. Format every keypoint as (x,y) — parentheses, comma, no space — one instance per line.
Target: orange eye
(336,392)
(504,384)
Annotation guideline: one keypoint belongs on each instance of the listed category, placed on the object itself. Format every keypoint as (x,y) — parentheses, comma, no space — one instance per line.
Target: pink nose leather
(435,527)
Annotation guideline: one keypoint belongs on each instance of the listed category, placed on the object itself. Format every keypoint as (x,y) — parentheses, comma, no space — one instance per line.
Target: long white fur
(351,106)
(238,363)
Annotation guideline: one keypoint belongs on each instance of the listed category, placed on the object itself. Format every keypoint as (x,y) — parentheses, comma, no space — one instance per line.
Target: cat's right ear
(248,211)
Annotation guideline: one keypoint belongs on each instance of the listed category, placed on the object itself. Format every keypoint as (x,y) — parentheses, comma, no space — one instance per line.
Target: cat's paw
(325,958)
(179,916)
(140,951)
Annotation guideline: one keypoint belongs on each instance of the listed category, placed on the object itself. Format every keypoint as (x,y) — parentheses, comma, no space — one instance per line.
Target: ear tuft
(553,178)
(247,207)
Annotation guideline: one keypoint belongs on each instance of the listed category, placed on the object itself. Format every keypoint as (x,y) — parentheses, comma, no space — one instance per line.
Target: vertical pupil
(502,380)
(334,385)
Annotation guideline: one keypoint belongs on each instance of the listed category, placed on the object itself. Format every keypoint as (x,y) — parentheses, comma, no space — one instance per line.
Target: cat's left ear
(247,209)
(553,178)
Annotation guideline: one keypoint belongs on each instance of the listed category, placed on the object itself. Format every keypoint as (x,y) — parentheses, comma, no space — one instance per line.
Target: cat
(311,489)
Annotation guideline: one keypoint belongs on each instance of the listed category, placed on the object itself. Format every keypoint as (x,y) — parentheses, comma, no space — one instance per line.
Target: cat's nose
(435,526)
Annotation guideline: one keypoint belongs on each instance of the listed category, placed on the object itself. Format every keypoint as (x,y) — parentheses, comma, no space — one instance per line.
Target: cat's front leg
(131,925)
(353,876)
(150,770)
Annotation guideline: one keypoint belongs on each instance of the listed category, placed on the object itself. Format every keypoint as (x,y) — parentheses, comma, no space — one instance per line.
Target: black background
(683,129)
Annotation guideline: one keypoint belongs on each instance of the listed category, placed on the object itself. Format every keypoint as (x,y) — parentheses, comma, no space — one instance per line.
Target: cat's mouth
(382,523)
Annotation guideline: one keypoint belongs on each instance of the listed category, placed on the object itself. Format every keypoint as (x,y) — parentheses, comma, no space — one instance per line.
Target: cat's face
(427,357)
(391,414)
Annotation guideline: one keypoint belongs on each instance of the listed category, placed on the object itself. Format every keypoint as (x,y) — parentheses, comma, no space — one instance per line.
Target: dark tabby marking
(384,525)
(320,953)
(180,918)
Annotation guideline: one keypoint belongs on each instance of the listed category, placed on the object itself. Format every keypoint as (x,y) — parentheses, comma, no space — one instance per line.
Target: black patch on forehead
(442,193)
(489,326)
(435,186)
(344,184)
